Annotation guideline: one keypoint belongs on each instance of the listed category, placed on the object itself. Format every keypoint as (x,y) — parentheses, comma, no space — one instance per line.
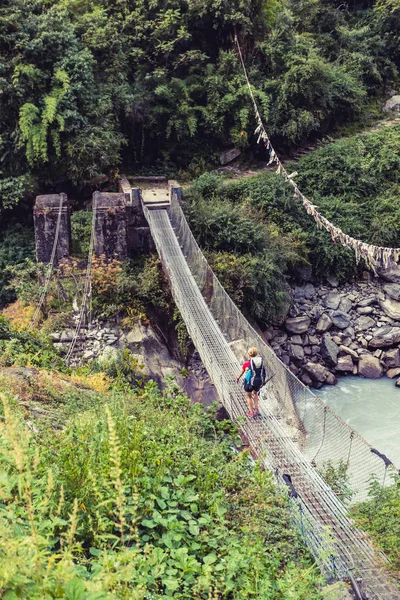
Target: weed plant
(141,496)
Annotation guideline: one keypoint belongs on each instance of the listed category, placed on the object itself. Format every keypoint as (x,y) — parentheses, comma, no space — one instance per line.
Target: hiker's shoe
(257,413)
(250,413)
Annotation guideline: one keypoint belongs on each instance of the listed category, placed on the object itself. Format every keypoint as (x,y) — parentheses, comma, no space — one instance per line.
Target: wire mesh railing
(322,436)
(316,509)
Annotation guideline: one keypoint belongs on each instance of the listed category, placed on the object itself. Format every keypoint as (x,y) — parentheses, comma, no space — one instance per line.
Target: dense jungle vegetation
(90,87)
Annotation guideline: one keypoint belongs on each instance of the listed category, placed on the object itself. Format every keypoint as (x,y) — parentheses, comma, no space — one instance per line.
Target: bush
(16,245)
(142,496)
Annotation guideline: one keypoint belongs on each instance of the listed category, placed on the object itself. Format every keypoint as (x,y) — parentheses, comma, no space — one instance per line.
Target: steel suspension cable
(87,290)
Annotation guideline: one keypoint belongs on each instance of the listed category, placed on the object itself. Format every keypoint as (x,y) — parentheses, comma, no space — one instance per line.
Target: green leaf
(149,523)
(171,584)
(194,529)
(75,589)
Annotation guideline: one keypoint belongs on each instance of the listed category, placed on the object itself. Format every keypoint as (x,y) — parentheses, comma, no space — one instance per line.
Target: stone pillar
(111,227)
(45,216)
(175,191)
(139,240)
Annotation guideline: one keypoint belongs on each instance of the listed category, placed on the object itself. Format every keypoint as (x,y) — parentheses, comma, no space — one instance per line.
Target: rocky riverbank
(335,330)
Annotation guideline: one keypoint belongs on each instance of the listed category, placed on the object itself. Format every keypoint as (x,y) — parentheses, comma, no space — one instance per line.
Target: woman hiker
(254,378)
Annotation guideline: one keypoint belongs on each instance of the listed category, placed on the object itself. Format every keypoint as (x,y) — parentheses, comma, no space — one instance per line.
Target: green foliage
(380,517)
(258,233)
(27,349)
(142,496)
(87,86)
(16,245)
(81,225)
(336,476)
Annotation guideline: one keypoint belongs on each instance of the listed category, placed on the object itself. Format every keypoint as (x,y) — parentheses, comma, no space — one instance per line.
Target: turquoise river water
(371,407)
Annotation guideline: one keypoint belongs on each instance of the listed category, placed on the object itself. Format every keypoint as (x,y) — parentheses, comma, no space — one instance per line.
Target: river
(371,407)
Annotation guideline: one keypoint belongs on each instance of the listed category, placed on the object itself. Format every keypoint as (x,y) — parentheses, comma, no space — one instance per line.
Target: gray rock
(315,349)
(391,308)
(332,281)
(309,291)
(316,372)
(329,350)
(306,379)
(332,300)
(367,301)
(340,319)
(330,378)
(393,104)
(296,352)
(392,357)
(345,364)
(298,324)
(398,382)
(391,274)
(228,155)
(296,340)
(370,367)
(313,340)
(384,337)
(349,332)
(324,323)
(363,323)
(348,351)
(281,338)
(378,353)
(365,310)
(345,305)
(392,290)
(393,372)
(308,351)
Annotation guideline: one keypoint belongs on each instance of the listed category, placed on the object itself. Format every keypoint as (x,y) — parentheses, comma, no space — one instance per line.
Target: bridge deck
(317,505)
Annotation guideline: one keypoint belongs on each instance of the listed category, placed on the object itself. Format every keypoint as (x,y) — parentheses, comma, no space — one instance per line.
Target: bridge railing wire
(323,437)
(317,511)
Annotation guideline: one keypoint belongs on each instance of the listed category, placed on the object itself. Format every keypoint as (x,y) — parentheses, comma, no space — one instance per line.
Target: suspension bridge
(297,434)
(287,406)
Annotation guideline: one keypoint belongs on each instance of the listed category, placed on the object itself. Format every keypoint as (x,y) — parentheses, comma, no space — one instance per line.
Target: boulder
(332,281)
(391,308)
(324,323)
(296,352)
(296,340)
(367,301)
(384,337)
(340,319)
(392,290)
(369,367)
(349,332)
(281,338)
(393,104)
(363,323)
(345,305)
(306,379)
(391,274)
(348,351)
(345,364)
(392,357)
(228,155)
(393,372)
(365,310)
(329,350)
(332,300)
(330,378)
(298,324)
(316,372)
(309,291)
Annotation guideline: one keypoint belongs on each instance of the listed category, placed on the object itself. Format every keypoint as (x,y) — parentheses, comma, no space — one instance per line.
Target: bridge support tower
(45,216)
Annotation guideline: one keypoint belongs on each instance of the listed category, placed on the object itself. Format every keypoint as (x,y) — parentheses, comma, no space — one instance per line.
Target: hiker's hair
(252,352)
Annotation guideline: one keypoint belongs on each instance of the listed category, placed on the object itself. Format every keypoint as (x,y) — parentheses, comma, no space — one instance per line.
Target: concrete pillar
(45,216)
(111,226)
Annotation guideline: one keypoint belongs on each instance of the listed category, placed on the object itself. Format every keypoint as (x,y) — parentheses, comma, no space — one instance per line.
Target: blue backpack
(255,375)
